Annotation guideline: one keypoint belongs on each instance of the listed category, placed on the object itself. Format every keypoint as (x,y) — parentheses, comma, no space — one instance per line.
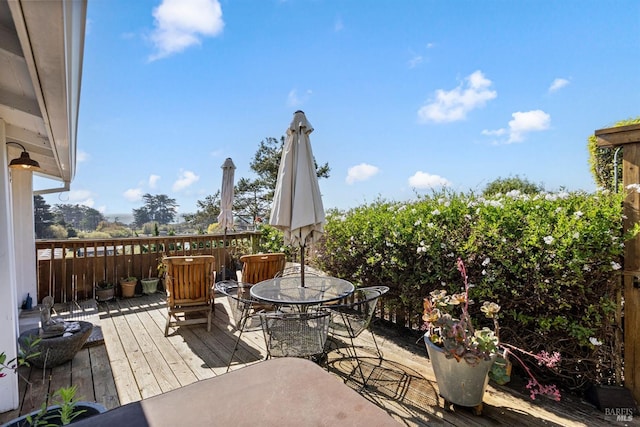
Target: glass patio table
(289,291)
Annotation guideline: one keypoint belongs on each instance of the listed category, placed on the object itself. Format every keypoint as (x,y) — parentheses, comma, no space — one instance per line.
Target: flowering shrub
(551,261)
(460,339)
(272,240)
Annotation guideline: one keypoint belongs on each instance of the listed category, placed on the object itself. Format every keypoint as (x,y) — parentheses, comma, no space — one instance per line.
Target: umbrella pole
(224,255)
(302,265)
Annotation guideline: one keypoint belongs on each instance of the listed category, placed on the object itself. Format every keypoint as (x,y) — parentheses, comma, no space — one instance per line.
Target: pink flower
(548,360)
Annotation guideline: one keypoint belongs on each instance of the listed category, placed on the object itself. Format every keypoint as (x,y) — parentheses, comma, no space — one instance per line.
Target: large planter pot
(105,294)
(56,350)
(128,287)
(149,286)
(459,382)
(52,416)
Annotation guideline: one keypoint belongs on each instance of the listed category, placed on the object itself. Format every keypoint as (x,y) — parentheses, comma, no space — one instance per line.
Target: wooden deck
(137,361)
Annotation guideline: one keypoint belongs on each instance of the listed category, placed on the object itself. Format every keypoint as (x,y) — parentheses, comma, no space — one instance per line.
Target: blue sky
(405,96)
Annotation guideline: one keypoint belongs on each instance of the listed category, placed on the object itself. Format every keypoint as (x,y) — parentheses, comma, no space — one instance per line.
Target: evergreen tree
(77,216)
(160,208)
(43,218)
(207,213)
(253,197)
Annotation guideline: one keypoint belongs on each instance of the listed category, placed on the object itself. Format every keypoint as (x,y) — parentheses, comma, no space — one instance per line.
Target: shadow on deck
(137,361)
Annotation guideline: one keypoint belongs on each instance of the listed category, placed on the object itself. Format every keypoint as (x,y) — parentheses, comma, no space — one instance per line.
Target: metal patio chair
(255,268)
(295,334)
(350,319)
(242,309)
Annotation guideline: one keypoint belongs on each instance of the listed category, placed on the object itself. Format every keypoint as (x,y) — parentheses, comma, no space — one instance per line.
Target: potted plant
(63,408)
(105,291)
(128,284)
(149,284)
(462,355)
(162,269)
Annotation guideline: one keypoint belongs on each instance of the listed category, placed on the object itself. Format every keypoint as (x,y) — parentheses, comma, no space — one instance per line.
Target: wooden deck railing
(69,269)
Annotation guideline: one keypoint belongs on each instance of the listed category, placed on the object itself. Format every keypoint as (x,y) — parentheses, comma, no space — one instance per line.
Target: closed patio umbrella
(225,218)
(297,204)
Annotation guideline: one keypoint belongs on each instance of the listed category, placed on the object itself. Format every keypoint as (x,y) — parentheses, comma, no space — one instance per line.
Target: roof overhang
(616,136)
(41,54)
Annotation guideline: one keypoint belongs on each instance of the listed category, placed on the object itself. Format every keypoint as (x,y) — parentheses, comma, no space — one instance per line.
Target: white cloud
(497,132)
(81,197)
(558,84)
(361,172)
(185,180)
(75,196)
(153,180)
(423,180)
(294,100)
(133,194)
(453,105)
(525,122)
(82,156)
(180,24)
(521,124)
(338,25)
(415,60)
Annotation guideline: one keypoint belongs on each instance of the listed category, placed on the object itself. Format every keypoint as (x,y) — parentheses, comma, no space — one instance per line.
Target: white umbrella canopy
(225,218)
(297,207)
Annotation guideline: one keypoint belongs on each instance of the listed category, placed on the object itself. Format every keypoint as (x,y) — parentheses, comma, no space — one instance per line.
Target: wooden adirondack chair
(189,281)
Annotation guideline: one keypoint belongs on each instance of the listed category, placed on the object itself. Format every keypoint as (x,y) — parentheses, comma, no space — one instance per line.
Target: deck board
(137,361)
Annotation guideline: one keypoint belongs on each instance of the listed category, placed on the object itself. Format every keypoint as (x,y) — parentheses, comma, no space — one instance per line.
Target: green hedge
(552,261)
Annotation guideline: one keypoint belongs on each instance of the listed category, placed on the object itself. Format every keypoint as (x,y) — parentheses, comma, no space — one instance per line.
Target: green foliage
(253,196)
(63,414)
(79,217)
(206,214)
(94,235)
(159,208)
(57,231)
(550,261)
(505,185)
(272,240)
(601,160)
(43,218)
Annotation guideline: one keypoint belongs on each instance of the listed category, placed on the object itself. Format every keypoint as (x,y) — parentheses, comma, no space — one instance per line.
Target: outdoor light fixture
(24,161)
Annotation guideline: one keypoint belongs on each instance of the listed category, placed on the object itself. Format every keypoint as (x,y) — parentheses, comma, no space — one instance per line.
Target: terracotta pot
(128,287)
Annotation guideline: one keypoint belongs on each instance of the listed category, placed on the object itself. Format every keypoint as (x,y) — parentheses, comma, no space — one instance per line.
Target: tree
(206,214)
(254,197)
(160,208)
(252,200)
(77,216)
(601,160)
(43,218)
(504,185)
(266,162)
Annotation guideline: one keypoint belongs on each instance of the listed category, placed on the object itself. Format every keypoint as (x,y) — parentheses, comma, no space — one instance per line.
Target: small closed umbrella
(225,218)
(297,204)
